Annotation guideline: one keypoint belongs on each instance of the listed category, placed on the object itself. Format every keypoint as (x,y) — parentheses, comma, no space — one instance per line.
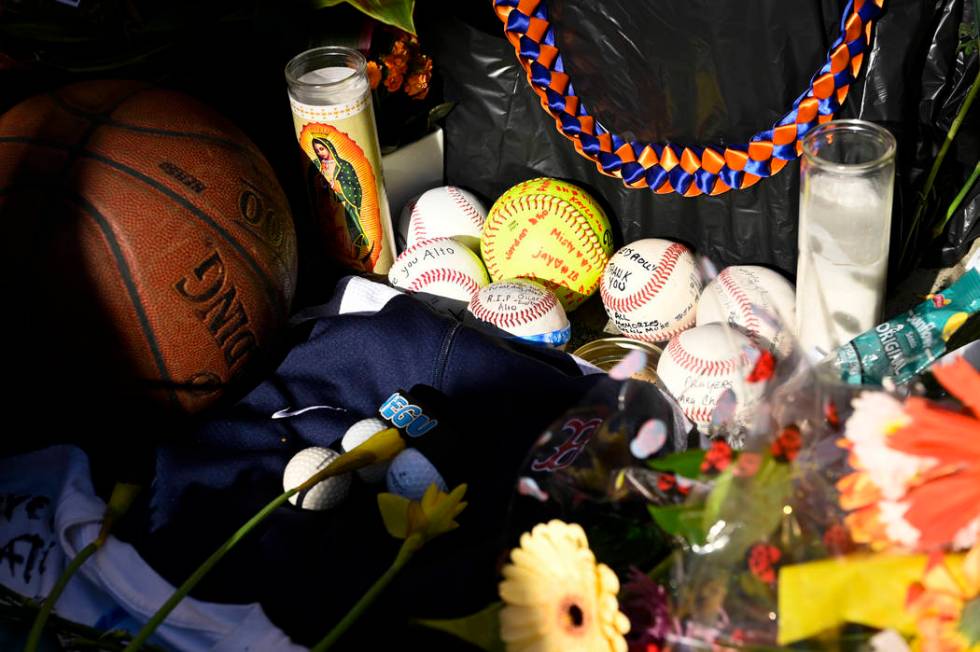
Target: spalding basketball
(149,248)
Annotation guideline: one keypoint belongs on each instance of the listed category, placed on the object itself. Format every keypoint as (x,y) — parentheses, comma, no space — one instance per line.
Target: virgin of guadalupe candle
(330,98)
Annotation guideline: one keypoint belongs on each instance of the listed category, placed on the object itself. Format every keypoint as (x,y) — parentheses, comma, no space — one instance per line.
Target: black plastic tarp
(703,72)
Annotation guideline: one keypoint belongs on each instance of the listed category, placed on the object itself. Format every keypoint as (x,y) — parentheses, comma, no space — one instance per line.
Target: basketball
(150,250)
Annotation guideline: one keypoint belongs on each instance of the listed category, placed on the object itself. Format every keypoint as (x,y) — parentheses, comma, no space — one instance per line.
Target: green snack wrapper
(905,346)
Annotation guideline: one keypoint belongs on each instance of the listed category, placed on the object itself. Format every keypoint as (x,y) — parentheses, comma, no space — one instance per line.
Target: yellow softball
(550,231)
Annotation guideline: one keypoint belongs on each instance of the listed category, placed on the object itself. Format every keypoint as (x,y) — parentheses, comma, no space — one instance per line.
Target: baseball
(698,365)
(650,289)
(524,309)
(445,212)
(323,495)
(442,267)
(548,231)
(738,294)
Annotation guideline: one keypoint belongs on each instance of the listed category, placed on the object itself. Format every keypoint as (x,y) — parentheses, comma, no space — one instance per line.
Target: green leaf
(440,111)
(481,629)
(716,499)
(687,463)
(680,520)
(397,13)
(755,504)
(970,621)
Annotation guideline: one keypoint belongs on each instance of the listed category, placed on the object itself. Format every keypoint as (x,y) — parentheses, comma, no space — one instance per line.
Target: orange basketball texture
(153,247)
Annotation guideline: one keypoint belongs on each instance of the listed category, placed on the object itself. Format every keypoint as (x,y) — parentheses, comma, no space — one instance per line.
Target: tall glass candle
(847,179)
(330,98)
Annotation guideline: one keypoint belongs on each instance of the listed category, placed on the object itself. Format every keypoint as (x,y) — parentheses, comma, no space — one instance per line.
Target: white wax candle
(345,86)
(844,232)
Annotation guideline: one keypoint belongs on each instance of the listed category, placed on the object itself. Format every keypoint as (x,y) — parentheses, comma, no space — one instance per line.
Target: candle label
(340,144)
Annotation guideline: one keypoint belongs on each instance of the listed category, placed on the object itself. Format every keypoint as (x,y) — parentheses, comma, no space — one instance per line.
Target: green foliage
(968,39)
(60,635)
(438,112)
(481,629)
(686,464)
(970,621)
(397,13)
(680,520)
(754,503)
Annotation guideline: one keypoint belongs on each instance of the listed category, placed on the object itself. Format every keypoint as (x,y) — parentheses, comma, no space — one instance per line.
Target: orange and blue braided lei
(687,170)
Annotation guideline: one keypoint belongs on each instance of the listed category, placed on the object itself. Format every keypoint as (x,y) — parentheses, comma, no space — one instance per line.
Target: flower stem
(34,638)
(347,462)
(409,546)
(938,230)
(123,495)
(185,588)
(920,207)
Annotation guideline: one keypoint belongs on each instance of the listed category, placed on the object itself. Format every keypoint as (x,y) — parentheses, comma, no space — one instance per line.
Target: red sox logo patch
(579,433)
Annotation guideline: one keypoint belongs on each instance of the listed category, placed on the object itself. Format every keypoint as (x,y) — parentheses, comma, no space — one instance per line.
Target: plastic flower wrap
(582,470)
(843,511)
(801,548)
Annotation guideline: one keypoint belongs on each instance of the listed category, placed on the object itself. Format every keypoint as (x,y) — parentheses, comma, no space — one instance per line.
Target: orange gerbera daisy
(917,467)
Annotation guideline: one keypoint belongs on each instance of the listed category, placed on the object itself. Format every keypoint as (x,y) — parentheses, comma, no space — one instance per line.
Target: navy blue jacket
(307,568)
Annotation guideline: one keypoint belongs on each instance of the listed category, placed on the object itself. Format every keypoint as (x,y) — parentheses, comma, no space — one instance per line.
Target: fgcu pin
(330,98)
(419,416)
(408,417)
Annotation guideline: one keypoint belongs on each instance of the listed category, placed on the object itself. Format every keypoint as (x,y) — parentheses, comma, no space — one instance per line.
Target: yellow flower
(937,603)
(557,598)
(425,519)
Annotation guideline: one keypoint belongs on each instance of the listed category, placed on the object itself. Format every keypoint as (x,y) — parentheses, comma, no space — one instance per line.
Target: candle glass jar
(333,117)
(847,178)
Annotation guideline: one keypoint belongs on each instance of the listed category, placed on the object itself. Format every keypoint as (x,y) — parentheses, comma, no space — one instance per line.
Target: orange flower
(374,74)
(399,49)
(917,468)
(937,602)
(417,84)
(962,381)
(396,62)
(393,82)
(946,505)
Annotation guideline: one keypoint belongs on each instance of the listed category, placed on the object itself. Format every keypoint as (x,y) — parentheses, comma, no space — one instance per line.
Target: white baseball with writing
(756,299)
(446,212)
(443,267)
(525,309)
(650,289)
(700,364)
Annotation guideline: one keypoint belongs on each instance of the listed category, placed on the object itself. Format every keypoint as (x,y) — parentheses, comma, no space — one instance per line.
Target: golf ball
(324,495)
(356,435)
(411,473)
